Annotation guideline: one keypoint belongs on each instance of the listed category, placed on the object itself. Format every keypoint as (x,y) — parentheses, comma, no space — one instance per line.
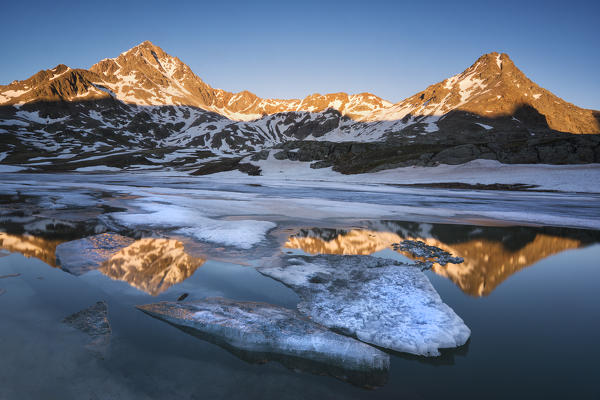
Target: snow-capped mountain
(493,87)
(151,106)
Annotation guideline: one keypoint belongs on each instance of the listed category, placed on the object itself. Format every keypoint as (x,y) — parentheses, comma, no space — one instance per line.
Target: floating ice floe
(80,256)
(262,331)
(239,233)
(379,301)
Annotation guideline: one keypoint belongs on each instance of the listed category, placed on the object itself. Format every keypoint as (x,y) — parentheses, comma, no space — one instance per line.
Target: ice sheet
(265,328)
(377,300)
(191,222)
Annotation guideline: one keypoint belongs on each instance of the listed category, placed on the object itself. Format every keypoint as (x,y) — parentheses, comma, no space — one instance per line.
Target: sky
(283,49)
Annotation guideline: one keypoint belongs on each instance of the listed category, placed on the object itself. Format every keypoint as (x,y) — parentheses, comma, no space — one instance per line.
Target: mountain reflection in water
(31,246)
(491,254)
(152,265)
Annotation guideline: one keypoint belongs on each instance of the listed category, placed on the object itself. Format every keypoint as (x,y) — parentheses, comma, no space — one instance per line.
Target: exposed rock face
(439,148)
(378,301)
(151,106)
(147,75)
(60,83)
(263,331)
(494,87)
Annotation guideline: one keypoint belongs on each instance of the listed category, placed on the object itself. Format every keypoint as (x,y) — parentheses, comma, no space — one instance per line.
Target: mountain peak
(145,75)
(145,45)
(493,64)
(494,58)
(493,87)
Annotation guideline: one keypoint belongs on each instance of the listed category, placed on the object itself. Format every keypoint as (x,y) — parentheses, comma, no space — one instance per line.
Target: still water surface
(529,295)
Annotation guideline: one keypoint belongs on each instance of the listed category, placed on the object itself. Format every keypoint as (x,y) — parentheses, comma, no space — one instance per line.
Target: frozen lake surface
(527,289)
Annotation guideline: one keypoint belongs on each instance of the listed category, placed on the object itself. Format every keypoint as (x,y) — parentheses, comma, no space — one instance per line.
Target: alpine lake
(527,287)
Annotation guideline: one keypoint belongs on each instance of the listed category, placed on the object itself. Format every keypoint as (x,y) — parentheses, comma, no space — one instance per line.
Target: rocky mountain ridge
(147,76)
(152,106)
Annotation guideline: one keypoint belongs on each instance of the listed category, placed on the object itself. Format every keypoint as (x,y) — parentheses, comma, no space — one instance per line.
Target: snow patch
(488,127)
(10,168)
(98,168)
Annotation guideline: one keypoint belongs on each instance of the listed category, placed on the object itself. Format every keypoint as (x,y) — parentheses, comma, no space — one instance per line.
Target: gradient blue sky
(291,49)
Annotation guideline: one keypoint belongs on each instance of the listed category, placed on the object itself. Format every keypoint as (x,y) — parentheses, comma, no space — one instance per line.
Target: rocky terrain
(146,109)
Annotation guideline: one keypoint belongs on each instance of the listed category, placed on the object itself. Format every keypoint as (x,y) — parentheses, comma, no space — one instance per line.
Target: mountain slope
(150,104)
(494,87)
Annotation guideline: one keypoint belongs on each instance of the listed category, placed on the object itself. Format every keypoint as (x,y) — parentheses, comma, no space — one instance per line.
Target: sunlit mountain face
(491,254)
(152,265)
(31,246)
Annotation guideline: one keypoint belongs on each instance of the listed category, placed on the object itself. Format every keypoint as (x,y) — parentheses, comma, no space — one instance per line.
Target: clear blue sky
(291,49)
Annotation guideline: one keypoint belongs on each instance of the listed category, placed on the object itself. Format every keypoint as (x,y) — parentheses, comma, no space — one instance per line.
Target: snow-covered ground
(568,178)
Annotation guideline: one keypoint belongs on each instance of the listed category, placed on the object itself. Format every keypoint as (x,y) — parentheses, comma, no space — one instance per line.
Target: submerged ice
(262,328)
(379,301)
(94,322)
